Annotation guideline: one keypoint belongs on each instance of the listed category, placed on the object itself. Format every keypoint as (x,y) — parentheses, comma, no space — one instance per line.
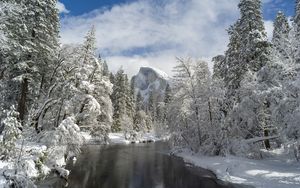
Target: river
(134,166)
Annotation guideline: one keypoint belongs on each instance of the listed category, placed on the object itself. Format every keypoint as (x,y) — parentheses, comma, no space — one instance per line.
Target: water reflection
(135,166)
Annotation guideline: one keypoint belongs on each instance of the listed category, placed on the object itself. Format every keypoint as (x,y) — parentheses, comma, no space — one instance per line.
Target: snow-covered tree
(282,48)
(119,99)
(255,47)
(152,106)
(139,102)
(192,113)
(105,70)
(296,24)
(11,132)
(63,142)
(122,99)
(248,48)
(219,69)
(79,90)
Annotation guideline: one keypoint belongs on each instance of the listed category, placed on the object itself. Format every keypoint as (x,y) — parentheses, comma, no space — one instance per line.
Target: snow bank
(119,138)
(87,136)
(267,173)
(29,165)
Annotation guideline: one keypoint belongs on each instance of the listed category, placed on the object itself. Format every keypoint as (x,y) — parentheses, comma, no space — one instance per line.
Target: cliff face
(150,80)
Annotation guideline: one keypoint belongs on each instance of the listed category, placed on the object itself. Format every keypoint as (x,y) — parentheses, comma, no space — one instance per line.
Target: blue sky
(135,33)
(273,6)
(78,7)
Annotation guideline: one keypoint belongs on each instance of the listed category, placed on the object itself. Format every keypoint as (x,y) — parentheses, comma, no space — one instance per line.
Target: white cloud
(62,8)
(153,33)
(269,28)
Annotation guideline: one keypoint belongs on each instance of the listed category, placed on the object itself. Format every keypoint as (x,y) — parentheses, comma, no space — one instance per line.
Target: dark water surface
(134,166)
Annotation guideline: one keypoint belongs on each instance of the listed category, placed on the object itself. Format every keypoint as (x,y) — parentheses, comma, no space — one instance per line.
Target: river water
(133,166)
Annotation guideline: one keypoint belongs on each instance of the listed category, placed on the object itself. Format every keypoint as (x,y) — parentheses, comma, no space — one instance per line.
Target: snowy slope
(149,80)
(267,173)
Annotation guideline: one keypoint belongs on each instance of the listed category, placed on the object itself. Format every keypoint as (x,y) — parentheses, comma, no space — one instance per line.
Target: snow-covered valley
(72,113)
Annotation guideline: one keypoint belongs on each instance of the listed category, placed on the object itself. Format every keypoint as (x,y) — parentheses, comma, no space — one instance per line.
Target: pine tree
(139,102)
(297,32)
(112,78)
(165,105)
(11,133)
(168,94)
(152,107)
(119,99)
(248,49)
(34,37)
(297,16)
(219,69)
(105,70)
(233,69)
(281,42)
(14,65)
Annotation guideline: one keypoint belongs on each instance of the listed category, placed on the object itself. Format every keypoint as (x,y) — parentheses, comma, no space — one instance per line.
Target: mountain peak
(151,80)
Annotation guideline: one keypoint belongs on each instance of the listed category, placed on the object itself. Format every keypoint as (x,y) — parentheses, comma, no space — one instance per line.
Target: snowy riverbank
(37,160)
(276,171)
(30,165)
(119,138)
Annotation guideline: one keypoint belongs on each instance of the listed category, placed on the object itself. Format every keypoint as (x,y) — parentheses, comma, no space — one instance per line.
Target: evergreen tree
(233,69)
(297,16)
(112,78)
(15,68)
(168,94)
(139,102)
(94,91)
(297,32)
(248,41)
(34,36)
(11,132)
(152,107)
(118,99)
(130,101)
(248,49)
(281,42)
(219,70)
(164,107)
(255,47)
(105,70)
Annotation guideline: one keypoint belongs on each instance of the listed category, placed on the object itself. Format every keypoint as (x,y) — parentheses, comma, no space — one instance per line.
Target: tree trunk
(210,112)
(267,141)
(56,124)
(41,85)
(22,100)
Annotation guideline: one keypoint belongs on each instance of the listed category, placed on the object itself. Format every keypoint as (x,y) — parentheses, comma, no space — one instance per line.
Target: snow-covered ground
(30,162)
(119,138)
(272,172)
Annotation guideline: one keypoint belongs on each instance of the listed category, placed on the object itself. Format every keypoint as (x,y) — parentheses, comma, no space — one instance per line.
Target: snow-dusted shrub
(11,132)
(244,148)
(100,132)
(65,141)
(140,121)
(127,128)
(19,181)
